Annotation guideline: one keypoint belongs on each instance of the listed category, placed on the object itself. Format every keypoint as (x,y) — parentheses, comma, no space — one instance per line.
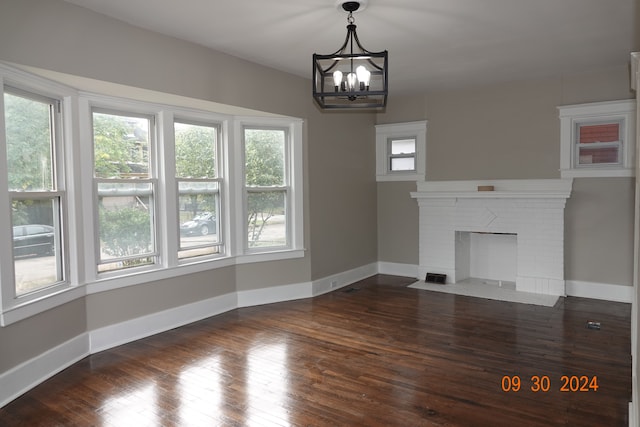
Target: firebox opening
(486,257)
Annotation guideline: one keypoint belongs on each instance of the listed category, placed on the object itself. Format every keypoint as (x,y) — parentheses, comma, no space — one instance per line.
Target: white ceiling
(432,44)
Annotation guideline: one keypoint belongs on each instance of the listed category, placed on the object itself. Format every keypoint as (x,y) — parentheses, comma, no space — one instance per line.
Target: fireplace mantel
(503,189)
(533,210)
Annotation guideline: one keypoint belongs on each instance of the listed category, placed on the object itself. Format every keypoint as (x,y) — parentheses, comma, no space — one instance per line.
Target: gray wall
(29,338)
(119,305)
(599,229)
(343,183)
(498,132)
(397,223)
(512,131)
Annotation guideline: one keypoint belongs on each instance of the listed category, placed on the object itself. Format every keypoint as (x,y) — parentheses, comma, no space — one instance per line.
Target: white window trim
(168,151)
(9,303)
(87,103)
(295,230)
(152,180)
(384,133)
(83,278)
(609,111)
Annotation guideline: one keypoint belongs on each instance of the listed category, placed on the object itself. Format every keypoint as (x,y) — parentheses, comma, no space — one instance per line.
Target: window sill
(270,256)
(400,177)
(596,173)
(122,281)
(29,308)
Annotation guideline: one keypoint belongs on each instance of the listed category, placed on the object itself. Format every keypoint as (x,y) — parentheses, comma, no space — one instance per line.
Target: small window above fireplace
(401,151)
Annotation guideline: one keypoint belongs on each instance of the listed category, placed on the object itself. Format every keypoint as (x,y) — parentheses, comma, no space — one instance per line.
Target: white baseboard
(29,374)
(603,291)
(306,289)
(142,327)
(340,280)
(34,371)
(274,294)
(398,269)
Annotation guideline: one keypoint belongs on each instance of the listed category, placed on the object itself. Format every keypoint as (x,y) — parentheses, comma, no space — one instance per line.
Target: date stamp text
(544,384)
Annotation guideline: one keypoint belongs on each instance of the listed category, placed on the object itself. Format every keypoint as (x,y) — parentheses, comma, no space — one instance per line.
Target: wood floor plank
(380,354)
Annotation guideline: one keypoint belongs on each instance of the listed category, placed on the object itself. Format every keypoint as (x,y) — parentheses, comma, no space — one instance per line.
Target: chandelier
(351,77)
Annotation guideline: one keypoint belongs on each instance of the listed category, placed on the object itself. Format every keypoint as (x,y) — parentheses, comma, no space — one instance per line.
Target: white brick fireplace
(529,212)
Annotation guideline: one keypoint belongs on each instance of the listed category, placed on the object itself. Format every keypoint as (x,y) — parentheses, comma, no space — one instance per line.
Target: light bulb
(364,76)
(351,81)
(337,79)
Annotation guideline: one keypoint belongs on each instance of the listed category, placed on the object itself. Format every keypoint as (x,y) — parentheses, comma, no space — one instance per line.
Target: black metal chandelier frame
(367,90)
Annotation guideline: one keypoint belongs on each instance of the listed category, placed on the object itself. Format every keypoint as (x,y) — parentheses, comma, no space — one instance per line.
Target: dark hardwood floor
(378,355)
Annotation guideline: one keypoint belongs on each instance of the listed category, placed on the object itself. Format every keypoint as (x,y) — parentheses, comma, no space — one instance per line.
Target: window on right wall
(597,139)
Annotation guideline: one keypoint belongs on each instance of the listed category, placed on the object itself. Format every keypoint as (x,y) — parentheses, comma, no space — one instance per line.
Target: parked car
(201,225)
(33,239)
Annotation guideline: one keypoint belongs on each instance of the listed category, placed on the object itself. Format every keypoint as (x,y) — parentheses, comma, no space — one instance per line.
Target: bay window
(99,192)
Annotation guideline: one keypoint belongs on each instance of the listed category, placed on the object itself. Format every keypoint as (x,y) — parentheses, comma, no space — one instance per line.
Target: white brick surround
(531,209)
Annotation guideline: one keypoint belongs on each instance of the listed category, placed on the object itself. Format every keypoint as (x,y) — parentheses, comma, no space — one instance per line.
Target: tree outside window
(126,207)
(196,147)
(266,186)
(36,202)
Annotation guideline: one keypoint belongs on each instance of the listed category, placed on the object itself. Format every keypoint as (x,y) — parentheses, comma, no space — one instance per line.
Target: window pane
(602,155)
(264,157)
(609,132)
(199,208)
(126,218)
(403,146)
(29,141)
(195,151)
(266,219)
(121,146)
(403,163)
(36,244)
